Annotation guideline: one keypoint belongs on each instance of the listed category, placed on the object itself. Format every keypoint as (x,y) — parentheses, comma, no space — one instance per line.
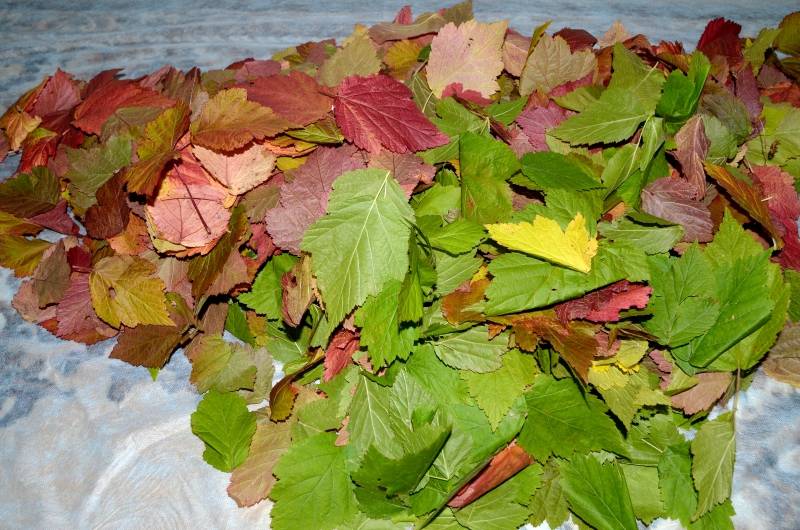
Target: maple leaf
(126,291)
(101,103)
(238,172)
(377,111)
(229,121)
(295,97)
(469,55)
(188,210)
(552,63)
(305,198)
(604,305)
(544,238)
(672,199)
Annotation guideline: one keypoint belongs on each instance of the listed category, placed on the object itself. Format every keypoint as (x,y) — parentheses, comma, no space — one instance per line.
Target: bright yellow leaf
(543,238)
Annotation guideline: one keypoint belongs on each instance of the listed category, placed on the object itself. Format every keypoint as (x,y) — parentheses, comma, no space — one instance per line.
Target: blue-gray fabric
(89,442)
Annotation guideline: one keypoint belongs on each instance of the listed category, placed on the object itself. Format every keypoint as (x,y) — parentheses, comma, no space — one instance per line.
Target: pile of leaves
(442,274)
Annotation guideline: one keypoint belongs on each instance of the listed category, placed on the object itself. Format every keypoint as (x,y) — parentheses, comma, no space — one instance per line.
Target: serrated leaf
(362,242)
(225,425)
(471,350)
(714,450)
(544,238)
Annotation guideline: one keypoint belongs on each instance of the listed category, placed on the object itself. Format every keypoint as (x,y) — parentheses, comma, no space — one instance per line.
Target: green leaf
(522,282)
(458,237)
(89,169)
(561,421)
(402,474)
(264,296)
(486,165)
(675,482)
(236,324)
(597,493)
(452,271)
(548,170)
(548,502)
(714,450)
(225,425)
(381,330)
(29,194)
(681,306)
(644,493)
(506,111)
(370,419)
(222,366)
(682,91)
(650,239)
(630,99)
(472,350)
(719,518)
(438,200)
(21,254)
(313,489)
(495,392)
(362,242)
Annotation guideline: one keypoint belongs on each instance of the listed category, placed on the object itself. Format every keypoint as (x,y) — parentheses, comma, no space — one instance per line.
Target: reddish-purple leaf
(110,215)
(503,466)
(340,352)
(691,153)
(536,121)
(76,317)
(721,37)
(377,112)
(115,94)
(305,198)
(295,97)
(784,208)
(605,304)
(672,198)
(704,394)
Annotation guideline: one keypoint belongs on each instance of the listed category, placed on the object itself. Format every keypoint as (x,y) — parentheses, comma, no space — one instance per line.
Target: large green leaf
(381,330)
(598,493)
(486,165)
(561,421)
(362,242)
(472,350)
(225,425)
(314,489)
(714,450)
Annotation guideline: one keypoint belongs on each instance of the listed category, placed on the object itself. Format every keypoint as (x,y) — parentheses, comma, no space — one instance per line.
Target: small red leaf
(672,198)
(721,37)
(503,466)
(339,353)
(605,304)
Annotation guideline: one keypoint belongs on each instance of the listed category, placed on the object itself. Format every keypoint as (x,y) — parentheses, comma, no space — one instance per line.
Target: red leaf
(57,220)
(578,39)
(721,37)
(605,304)
(294,97)
(188,209)
(239,171)
(503,466)
(536,121)
(377,111)
(671,198)
(339,353)
(692,150)
(409,170)
(76,317)
(109,216)
(112,95)
(305,198)
(784,209)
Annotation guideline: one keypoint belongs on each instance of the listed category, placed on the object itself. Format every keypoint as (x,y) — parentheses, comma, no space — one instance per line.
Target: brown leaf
(456,305)
(408,169)
(51,277)
(76,317)
(297,291)
(109,216)
(704,394)
(252,481)
(747,196)
(295,97)
(783,362)
(503,466)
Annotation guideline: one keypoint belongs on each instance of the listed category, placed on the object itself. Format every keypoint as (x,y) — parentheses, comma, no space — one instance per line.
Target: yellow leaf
(543,238)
